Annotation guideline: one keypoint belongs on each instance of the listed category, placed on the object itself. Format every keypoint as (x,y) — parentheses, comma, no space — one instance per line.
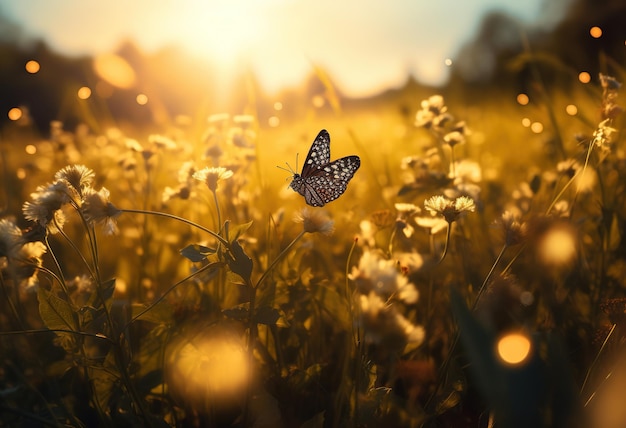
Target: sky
(366,46)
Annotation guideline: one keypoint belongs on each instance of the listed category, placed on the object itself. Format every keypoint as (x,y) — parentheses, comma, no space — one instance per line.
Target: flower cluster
(72,188)
(383,289)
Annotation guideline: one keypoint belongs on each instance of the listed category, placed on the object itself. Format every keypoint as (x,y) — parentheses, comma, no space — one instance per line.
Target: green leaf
(241,264)
(196,252)
(56,313)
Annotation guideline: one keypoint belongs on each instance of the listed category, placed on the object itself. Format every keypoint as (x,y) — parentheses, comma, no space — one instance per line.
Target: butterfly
(322,181)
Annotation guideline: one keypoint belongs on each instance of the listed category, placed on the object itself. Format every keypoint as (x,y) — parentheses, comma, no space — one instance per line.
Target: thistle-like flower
(451,210)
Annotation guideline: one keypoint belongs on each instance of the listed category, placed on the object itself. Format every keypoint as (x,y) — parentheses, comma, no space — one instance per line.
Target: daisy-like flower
(78,176)
(212,176)
(98,209)
(315,221)
(451,210)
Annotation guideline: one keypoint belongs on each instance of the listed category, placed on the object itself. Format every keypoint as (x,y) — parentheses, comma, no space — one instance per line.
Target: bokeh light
(84,93)
(584,77)
(32,67)
(571,109)
(536,127)
(522,99)
(448,62)
(557,246)
(273,121)
(526,122)
(142,99)
(514,348)
(15,113)
(30,149)
(115,70)
(596,32)
(211,366)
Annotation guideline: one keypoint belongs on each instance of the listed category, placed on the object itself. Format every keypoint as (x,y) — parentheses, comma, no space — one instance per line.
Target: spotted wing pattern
(322,181)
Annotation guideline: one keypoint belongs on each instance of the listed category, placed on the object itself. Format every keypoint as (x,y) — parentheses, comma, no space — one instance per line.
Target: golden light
(273,121)
(32,67)
(114,70)
(536,127)
(278,106)
(596,32)
(571,109)
(584,77)
(526,122)
(448,62)
(522,99)
(30,149)
(142,99)
(15,113)
(20,173)
(84,93)
(514,348)
(210,367)
(557,247)
(318,101)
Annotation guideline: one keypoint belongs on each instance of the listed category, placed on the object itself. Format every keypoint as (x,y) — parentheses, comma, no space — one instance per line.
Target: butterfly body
(322,181)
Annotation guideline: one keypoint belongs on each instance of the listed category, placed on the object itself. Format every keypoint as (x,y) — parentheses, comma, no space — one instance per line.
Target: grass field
(472,273)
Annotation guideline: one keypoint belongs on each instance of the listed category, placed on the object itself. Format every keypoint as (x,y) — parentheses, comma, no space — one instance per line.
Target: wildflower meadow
(439,261)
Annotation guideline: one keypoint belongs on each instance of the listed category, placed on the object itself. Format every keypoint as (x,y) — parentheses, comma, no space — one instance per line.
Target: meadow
(472,274)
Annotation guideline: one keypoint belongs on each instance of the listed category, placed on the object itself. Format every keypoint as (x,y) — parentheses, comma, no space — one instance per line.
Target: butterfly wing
(329,182)
(319,154)
(322,181)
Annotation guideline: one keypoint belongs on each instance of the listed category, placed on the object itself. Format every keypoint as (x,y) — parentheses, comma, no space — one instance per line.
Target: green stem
(279,258)
(445,248)
(181,219)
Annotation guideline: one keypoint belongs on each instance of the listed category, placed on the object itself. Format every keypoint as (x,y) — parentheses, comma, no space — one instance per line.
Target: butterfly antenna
(288,169)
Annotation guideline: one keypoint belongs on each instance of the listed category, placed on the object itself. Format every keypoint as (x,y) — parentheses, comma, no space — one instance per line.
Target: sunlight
(221,30)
